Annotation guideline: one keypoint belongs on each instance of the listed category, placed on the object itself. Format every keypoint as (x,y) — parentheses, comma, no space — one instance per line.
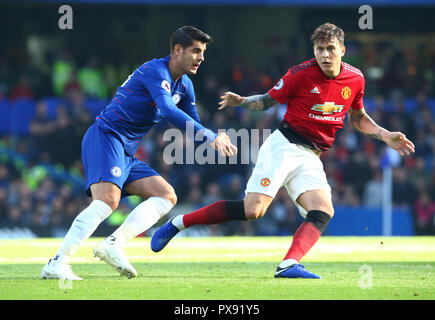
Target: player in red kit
(318,94)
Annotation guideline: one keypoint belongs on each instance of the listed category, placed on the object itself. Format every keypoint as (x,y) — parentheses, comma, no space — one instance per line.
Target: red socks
(211,214)
(220,211)
(307,234)
(303,240)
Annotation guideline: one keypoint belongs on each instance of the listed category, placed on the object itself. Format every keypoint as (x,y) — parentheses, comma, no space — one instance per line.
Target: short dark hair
(186,35)
(327,31)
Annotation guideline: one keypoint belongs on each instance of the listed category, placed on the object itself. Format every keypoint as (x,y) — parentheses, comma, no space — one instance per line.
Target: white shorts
(284,164)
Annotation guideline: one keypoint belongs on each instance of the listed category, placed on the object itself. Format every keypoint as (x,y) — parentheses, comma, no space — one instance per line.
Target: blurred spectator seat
(431,103)
(52,105)
(4,116)
(389,106)
(410,104)
(369,104)
(22,112)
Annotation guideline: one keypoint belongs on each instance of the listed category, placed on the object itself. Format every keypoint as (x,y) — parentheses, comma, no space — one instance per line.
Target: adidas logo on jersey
(315,90)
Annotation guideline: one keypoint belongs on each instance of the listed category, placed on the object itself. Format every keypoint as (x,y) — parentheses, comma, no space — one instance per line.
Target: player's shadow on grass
(227,270)
(206,269)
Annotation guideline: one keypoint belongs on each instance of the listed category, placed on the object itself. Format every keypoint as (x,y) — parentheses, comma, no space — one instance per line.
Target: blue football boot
(163,235)
(295,271)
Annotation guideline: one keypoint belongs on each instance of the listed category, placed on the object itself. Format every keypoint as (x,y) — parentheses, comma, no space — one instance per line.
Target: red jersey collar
(325,76)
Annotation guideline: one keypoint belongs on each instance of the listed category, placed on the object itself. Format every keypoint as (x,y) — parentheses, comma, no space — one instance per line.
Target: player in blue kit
(159,89)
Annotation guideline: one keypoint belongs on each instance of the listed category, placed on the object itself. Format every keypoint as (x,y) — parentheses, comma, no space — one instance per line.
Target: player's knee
(170,195)
(325,206)
(111,200)
(331,212)
(316,202)
(106,192)
(255,206)
(254,211)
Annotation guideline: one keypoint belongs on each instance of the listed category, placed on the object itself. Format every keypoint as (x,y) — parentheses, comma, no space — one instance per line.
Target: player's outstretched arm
(361,121)
(256,102)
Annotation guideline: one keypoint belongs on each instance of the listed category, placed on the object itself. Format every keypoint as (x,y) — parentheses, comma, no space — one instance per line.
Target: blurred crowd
(30,197)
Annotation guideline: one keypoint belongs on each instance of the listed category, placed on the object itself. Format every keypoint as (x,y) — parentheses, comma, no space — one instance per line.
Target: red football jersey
(317,104)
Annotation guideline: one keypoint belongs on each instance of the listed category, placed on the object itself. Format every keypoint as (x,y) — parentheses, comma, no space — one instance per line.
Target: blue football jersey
(148,96)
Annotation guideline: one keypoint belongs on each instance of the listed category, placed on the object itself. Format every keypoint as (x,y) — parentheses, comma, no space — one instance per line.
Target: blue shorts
(104,159)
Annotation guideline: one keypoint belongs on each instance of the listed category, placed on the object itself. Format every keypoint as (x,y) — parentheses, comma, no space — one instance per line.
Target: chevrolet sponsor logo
(327,108)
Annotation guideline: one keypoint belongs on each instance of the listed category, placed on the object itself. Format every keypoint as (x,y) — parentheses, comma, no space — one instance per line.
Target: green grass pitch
(229,268)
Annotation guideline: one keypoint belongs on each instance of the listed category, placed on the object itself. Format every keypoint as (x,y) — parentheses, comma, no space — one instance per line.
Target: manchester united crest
(265,182)
(346,93)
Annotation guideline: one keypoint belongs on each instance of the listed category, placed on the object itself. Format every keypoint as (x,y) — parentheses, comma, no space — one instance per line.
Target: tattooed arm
(256,102)
(361,121)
